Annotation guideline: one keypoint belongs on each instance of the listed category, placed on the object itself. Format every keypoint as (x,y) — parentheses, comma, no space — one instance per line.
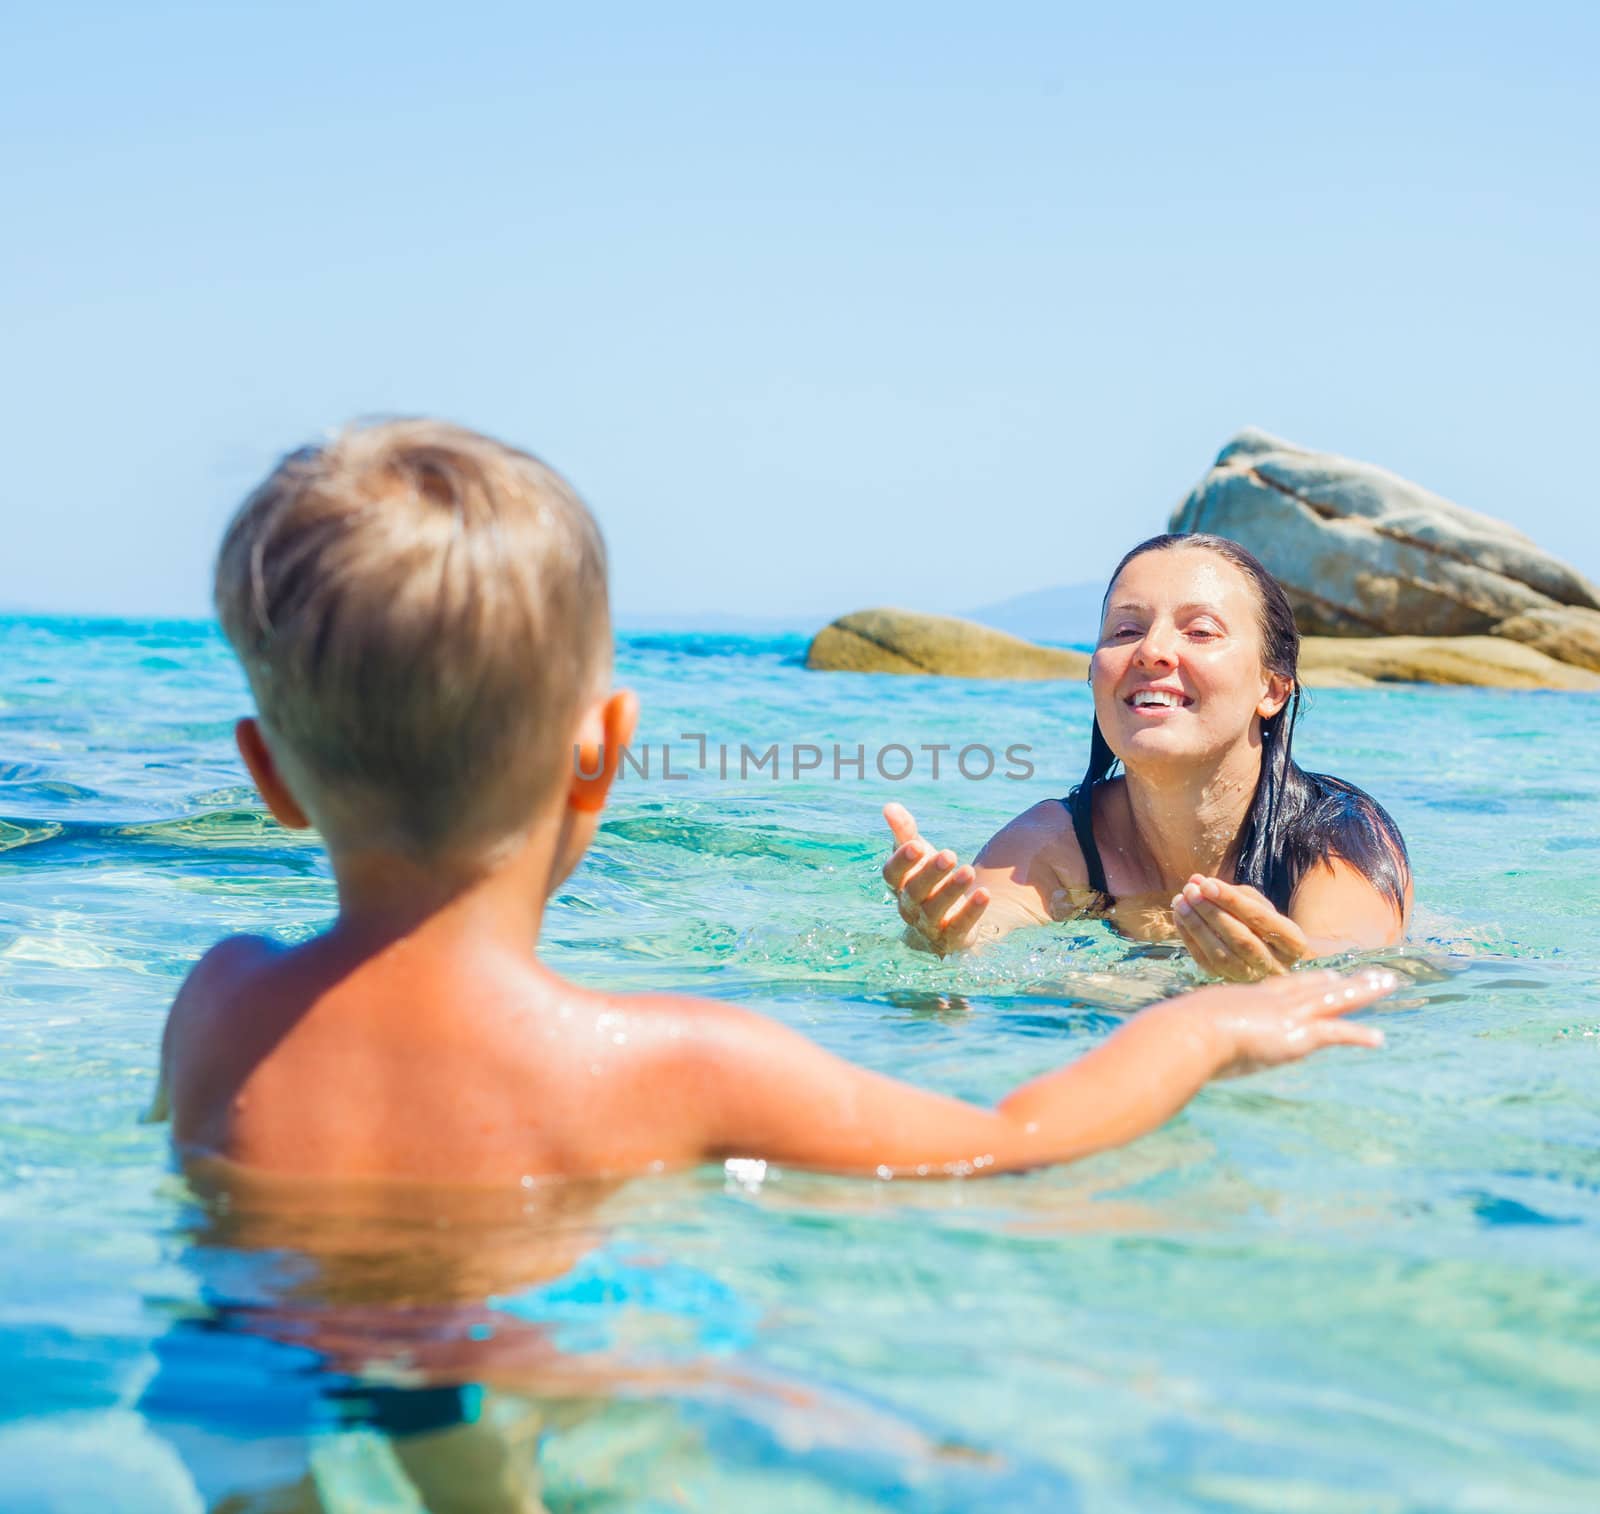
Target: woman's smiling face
(1177,675)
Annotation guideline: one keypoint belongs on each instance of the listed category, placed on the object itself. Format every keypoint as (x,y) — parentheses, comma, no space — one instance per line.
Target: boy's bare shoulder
(210,982)
(222,967)
(655,1035)
(674,1032)
(235,950)
(684,1012)
(213,981)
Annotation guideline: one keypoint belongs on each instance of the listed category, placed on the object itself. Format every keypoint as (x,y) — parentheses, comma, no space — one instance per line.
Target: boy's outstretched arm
(764,1091)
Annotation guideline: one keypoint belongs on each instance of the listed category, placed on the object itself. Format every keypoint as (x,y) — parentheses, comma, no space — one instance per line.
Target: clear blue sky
(819,306)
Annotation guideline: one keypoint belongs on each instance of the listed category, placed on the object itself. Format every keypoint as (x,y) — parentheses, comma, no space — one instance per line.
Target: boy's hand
(1234,932)
(938,898)
(1293,1015)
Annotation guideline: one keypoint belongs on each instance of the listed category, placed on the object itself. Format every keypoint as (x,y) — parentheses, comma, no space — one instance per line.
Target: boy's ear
(264,770)
(606,728)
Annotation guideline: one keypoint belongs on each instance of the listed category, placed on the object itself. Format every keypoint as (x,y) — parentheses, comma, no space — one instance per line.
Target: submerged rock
(1363,552)
(1344,662)
(904,641)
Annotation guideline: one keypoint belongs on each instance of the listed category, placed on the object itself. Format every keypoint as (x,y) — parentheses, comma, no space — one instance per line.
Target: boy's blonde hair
(420,611)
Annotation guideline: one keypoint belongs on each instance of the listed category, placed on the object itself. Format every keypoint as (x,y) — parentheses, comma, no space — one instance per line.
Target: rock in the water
(1567,633)
(1362,552)
(1345,662)
(903,641)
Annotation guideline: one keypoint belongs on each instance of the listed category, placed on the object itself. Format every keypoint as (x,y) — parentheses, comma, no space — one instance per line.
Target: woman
(1211,830)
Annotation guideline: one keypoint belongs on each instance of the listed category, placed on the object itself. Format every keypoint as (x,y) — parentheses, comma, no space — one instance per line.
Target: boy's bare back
(421,613)
(413,1062)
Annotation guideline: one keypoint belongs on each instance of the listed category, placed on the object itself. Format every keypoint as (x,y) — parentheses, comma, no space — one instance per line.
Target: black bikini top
(1083,828)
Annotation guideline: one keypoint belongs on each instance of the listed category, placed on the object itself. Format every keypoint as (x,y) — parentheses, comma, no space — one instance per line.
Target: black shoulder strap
(1082,812)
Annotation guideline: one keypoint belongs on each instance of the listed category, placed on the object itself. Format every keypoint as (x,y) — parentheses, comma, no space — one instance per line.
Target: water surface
(1369,1282)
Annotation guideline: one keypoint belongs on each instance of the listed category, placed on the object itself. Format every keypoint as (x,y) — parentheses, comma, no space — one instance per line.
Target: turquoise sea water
(1368,1282)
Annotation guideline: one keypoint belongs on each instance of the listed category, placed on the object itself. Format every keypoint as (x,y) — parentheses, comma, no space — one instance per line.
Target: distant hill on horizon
(1068,613)
(722,623)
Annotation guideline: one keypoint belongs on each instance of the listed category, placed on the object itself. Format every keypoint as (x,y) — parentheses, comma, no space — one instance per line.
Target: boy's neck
(385,895)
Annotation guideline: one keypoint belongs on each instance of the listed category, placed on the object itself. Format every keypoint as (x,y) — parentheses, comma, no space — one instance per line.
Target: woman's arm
(1340,910)
(1234,932)
(951,906)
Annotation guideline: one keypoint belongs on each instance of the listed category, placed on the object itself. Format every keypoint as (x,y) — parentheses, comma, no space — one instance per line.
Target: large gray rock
(1363,552)
(904,641)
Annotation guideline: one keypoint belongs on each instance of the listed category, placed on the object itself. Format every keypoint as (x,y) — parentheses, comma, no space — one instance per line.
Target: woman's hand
(939,899)
(1234,932)
(1284,1020)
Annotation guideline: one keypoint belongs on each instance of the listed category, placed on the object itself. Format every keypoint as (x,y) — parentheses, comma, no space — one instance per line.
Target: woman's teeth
(1146,697)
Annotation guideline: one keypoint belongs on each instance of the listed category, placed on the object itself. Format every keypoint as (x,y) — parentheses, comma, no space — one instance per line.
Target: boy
(422,616)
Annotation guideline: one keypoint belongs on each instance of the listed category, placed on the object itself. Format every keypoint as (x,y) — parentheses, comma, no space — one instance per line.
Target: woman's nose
(1158,649)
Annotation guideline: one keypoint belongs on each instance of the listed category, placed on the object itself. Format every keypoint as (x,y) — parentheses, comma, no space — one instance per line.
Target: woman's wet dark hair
(1296,819)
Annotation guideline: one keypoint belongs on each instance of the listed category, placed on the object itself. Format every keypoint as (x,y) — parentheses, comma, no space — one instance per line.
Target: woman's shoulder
(1341,806)
(1336,820)
(1039,848)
